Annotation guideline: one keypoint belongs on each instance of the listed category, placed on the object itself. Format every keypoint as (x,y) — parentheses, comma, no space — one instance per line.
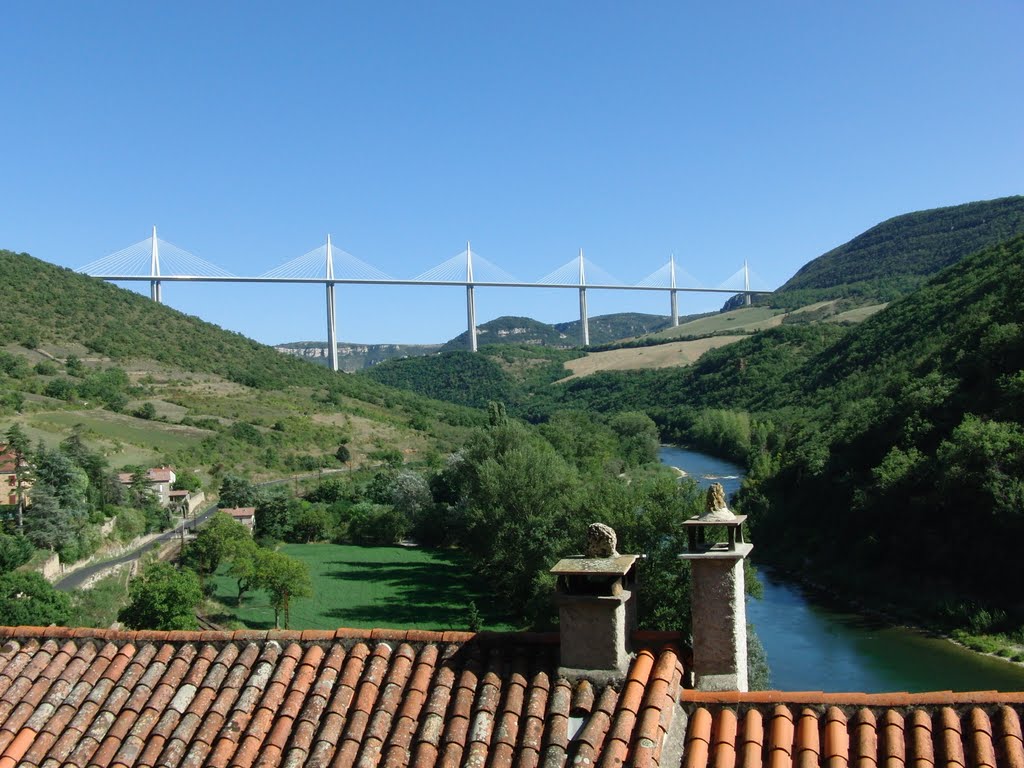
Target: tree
(92,463)
(273,517)
(237,491)
(410,493)
(18,445)
(68,482)
(27,599)
(246,566)
(187,481)
(284,578)
(343,454)
(638,436)
(146,411)
(216,541)
(163,598)
(74,366)
(14,551)
(47,524)
(310,523)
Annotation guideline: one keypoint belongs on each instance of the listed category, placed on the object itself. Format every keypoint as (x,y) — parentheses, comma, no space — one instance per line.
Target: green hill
(894,448)
(508,373)
(146,383)
(606,329)
(896,256)
(512,330)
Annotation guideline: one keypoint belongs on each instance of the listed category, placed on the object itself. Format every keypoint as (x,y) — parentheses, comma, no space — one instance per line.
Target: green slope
(887,458)
(257,411)
(45,303)
(896,256)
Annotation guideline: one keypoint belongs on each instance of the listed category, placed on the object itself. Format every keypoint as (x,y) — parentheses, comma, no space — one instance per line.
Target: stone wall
(50,567)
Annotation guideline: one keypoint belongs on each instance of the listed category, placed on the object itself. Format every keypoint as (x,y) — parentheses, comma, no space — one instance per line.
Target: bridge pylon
(470,300)
(584,320)
(746,283)
(154,270)
(673,293)
(332,335)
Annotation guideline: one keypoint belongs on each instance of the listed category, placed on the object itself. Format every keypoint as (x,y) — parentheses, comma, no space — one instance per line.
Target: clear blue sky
(715,131)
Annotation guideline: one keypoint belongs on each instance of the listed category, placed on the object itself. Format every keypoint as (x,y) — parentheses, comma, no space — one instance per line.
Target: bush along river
(814,647)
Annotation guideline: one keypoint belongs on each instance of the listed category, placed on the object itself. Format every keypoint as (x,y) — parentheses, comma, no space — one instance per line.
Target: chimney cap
(594,566)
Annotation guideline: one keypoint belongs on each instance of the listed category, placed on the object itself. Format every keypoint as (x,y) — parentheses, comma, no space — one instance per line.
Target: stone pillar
(594,632)
(718,608)
(717,596)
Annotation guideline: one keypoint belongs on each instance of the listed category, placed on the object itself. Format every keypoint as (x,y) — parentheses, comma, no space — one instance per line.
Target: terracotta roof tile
(723,741)
(864,729)
(397,698)
(698,739)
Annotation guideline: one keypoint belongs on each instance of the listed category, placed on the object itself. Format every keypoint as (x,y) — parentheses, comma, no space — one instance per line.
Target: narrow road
(78,578)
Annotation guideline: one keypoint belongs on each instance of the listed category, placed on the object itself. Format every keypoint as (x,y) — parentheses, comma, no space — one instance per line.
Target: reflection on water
(703,468)
(813,647)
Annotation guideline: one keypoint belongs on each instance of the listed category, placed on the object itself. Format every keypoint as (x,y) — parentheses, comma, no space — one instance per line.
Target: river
(814,647)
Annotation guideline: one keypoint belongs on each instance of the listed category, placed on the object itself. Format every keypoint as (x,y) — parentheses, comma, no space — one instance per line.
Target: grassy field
(633,358)
(746,319)
(118,428)
(857,315)
(370,587)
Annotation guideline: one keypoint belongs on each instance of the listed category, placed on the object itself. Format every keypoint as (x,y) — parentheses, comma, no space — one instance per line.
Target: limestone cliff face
(355,357)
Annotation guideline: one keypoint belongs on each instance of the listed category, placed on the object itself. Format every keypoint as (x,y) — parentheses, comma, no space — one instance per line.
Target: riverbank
(994,645)
(820,637)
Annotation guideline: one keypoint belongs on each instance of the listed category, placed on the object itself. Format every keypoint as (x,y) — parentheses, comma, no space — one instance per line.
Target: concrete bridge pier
(584,320)
(470,300)
(673,298)
(332,336)
(154,270)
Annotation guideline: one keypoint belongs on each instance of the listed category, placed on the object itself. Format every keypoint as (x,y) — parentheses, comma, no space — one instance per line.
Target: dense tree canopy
(162,597)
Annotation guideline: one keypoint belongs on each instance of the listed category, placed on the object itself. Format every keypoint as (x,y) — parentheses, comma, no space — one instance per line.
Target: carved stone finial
(716,498)
(601,541)
(715,506)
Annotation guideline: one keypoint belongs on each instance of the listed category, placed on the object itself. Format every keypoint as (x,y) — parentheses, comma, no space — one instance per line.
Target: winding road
(77,578)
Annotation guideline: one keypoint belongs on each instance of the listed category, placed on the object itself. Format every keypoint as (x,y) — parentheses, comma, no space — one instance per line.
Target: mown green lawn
(370,587)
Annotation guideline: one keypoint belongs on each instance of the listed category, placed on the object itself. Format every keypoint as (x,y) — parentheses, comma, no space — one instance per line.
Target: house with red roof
(244,515)
(9,476)
(160,480)
(596,693)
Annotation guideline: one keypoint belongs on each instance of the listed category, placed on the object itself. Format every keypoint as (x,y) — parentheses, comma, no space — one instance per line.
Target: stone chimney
(596,597)
(717,595)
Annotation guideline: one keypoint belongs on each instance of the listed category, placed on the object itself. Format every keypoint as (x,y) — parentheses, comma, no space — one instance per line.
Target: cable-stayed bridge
(156,261)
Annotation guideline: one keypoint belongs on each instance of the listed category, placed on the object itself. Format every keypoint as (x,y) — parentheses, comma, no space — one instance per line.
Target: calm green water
(812,647)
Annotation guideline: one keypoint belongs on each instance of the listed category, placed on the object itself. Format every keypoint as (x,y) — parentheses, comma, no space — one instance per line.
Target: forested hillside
(895,448)
(46,303)
(912,461)
(894,257)
(604,329)
(512,330)
(505,373)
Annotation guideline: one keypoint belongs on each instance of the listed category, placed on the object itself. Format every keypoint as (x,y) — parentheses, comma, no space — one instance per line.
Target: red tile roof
(386,698)
(153,475)
(239,511)
(6,460)
(801,730)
